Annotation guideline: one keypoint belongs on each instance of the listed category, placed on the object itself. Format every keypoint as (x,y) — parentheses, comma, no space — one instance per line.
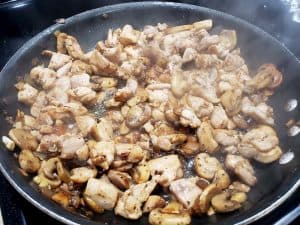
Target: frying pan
(275,182)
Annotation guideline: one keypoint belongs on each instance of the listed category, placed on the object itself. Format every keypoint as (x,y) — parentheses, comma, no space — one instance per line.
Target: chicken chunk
(261,112)
(226,137)
(81,80)
(27,94)
(102,192)
(102,153)
(43,76)
(242,168)
(186,191)
(168,168)
(130,203)
(71,145)
(206,166)
(85,124)
(219,118)
(57,60)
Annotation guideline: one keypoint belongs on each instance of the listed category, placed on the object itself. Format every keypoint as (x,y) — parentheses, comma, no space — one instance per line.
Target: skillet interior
(257,47)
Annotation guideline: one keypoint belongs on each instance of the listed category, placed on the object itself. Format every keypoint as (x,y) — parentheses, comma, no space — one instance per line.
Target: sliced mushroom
(153,202)
(138,115)
(121,179)
(130,152)
(239,197)
(203,203)
(232,101)
(191,147)
(172,214)
(206,139)
(53,169)
(141,173)
(270,156)
(237,186)
(222,203)
(29,162)
(221,179)
(23,138)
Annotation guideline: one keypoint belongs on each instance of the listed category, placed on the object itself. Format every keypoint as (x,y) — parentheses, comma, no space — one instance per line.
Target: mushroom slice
(82,174)
(138,115)
(232,101)
(159,216)
(130,203)
(270,156)
(102,192)
(23,138)
(141,173)
(241,167)
(221,179)
(206,139)
(222,203)
(206,166)
(29,162)
(203,203)
(168,168)
(186,191)
(153,202)
(237,186)
(121,179)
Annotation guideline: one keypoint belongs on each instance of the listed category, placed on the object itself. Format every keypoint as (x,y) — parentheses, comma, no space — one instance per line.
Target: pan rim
(106,9)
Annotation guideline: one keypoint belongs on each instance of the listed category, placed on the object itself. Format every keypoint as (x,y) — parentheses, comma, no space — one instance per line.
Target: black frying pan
(275,182)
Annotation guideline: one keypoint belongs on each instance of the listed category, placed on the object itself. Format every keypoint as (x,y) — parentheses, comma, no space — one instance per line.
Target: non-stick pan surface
(275,182)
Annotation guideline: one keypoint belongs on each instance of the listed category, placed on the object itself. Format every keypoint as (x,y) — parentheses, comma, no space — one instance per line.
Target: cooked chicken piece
(79,67)
(133,67)
(189,55)
(241,167)
(43,76)
(226,137)
(26,93)
(138,115)
(38,104)
(57,96)
(81,80)
(82,174)
(191,147)
(63,83)
(73,48)
(232,62)
(28,161)
(102,153)
(199,105)
(263,138)
(204,24)
(102,131)
(261,112)
(231,101)
(130,152)
(70,145)
(267,77)
(57,60)
(76,108)
(125,93)
(64,70)
(204,87)
(207,41)
(204,61)
(189,118)
(167,167)
(157,96)
(270,156)
(102,192)
(83,94)
(114,54)
(101,65)
(228,41)
(206,166)
(179,84)
(85,124)
(219,118)
(186,191)
(128,35)
(130,203)
(206,139)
